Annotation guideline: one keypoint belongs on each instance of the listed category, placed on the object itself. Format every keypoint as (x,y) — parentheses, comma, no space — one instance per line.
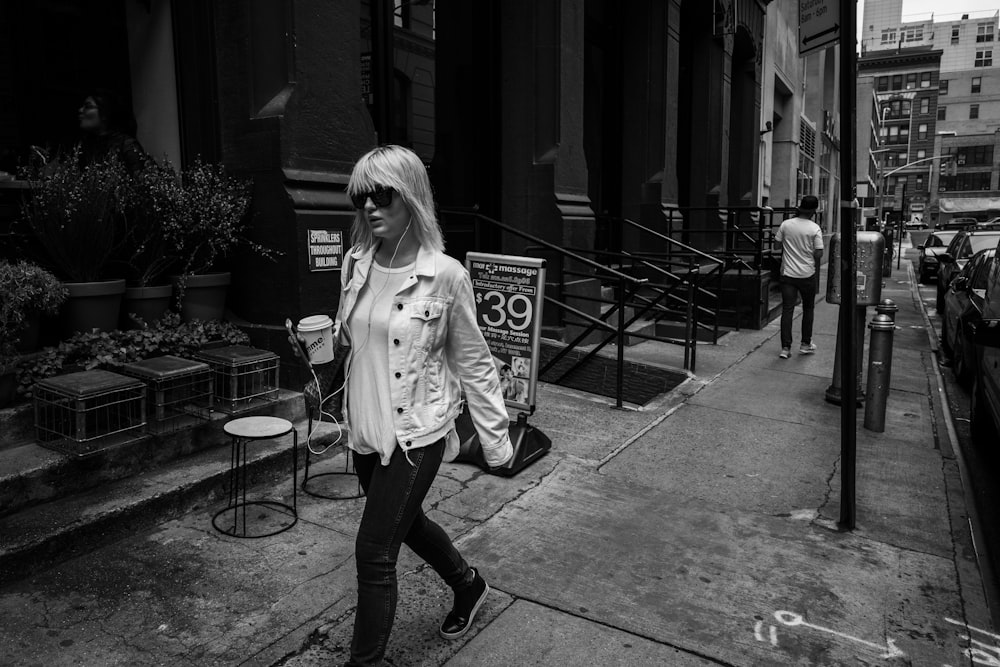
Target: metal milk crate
(178,392)
(243,377)
(84,413)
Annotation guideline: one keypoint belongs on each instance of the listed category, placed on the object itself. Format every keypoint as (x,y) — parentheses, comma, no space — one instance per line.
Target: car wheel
(981,425)
(960,366)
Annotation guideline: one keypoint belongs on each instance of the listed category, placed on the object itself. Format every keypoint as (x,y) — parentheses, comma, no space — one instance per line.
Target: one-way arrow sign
(818,25)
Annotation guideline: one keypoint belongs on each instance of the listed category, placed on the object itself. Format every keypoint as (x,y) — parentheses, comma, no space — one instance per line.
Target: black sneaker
(467,603)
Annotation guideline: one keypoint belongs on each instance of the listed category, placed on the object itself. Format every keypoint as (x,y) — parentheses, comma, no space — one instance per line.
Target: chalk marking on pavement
(792,619)
(980,652)
(772,633)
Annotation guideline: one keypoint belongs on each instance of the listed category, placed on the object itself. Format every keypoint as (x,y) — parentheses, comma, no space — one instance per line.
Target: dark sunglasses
(381,196)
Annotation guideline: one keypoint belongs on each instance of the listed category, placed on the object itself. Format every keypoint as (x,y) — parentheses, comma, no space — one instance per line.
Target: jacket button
(399,306)
(427,313)
(399,410)
(409,442)
(398,374)
(395,341)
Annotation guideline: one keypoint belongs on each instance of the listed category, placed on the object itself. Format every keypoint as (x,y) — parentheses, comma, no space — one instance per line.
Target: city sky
(914,10)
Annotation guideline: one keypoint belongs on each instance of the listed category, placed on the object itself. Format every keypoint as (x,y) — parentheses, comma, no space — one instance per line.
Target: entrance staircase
(54,507)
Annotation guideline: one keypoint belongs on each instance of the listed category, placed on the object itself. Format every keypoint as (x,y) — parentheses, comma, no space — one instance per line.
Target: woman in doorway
(108,130)
(408,312)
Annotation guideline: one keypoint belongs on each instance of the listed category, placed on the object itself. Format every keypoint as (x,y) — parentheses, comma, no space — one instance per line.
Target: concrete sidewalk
(699,529)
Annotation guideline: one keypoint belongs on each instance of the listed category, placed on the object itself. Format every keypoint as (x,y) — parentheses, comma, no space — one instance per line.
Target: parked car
(965,244)
(963,311)
(935,244)
(958,223)
(913,223)
(992,223)
(985,414)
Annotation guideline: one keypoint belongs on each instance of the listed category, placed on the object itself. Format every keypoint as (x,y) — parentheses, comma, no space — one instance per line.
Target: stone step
(42,535)
(31,474)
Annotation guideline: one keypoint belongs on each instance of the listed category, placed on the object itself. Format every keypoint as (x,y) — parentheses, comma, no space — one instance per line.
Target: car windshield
(940,239)
(983,241)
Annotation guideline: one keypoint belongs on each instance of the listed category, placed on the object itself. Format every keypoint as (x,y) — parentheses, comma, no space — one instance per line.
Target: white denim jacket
(435,351)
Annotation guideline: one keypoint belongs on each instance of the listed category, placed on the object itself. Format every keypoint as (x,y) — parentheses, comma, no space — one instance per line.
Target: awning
(967,204)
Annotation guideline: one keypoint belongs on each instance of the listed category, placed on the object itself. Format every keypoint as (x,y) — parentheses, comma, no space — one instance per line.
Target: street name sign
(819,25)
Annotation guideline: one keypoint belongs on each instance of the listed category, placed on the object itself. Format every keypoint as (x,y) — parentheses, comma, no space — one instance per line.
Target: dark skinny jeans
(790,289)
(393,516)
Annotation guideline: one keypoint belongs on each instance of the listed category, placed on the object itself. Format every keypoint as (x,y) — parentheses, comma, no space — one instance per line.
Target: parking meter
(868,265)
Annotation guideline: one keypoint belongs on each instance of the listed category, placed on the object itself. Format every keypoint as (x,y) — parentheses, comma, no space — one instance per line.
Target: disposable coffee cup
(317,331)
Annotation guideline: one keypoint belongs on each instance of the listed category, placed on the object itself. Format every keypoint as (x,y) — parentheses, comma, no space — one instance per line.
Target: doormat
(641,382)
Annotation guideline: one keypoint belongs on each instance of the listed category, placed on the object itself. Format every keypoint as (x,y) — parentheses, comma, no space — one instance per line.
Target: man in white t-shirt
(801,242)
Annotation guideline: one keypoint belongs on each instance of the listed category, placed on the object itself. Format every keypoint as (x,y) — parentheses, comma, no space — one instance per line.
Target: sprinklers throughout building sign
(326,249)
(509,293)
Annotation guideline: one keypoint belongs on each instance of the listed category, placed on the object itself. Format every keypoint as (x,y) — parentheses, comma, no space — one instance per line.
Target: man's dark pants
(791,288)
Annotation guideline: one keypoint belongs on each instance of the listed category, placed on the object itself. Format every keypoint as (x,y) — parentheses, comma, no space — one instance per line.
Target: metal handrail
(628,286)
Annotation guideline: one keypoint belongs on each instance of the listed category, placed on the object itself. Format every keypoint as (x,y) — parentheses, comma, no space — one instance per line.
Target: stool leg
(295,470)
(243,447)
(309,428)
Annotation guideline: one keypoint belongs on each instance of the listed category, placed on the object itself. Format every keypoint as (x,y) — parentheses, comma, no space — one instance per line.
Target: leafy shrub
(113,349)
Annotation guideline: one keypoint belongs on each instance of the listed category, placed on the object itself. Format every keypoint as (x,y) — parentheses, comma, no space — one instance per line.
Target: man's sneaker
(807,348)
(785,352)
(467,603)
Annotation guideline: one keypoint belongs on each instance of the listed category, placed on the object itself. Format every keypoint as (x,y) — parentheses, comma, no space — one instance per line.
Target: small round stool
(244,431)
(347,472)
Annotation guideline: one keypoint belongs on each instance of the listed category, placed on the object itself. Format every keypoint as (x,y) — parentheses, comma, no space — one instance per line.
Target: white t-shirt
(368,411)
(799,239)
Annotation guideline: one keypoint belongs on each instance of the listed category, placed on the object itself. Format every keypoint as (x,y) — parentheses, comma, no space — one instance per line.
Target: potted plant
(26,292)
(153,202)
(75,213)
(211,223)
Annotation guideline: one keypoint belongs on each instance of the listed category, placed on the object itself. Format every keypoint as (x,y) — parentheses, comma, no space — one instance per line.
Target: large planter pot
(92,306)
(149,303)
(204,296)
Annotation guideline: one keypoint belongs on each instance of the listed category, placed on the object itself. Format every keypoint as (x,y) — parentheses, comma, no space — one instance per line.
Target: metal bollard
(879,372)
(887,307)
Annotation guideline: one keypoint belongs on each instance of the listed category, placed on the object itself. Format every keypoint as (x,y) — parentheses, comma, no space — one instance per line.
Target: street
(982,461)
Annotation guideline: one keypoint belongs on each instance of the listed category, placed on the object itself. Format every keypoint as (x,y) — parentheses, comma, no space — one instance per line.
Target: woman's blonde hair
(398,168)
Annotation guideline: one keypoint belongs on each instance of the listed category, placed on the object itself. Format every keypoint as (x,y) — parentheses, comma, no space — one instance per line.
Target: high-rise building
(953,121)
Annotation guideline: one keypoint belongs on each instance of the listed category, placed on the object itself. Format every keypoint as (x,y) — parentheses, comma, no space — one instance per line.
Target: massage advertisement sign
(509,293)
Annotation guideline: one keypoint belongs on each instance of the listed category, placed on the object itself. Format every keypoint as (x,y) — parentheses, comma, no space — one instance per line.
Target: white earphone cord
(347,362)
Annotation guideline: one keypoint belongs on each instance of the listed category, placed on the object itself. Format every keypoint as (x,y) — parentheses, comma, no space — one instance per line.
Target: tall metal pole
(849,295)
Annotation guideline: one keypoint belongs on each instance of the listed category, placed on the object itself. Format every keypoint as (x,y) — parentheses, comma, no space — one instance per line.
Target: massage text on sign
(508,292)
(326,249)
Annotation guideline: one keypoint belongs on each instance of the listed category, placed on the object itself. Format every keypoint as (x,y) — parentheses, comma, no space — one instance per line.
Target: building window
(905,108)
(984,58)
(973,111)
(925,79)
(954,34)
(911,80)
(920,182)
(977,84)
(902,160)
(897,82)
(922,131)
(942,112)
(925,105)
(904,133)
(882,84)
(888,35)
(914,34)
(921,154)
(401,14)
(976,180)
(943,87)
(984,32)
